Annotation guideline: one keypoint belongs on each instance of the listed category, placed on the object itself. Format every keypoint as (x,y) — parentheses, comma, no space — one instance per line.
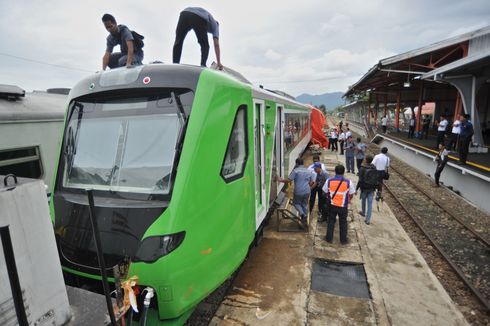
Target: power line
(306,80)
(43,63)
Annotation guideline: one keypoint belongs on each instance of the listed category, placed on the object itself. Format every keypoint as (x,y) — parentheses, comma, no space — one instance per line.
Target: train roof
(165,75)
(16,105)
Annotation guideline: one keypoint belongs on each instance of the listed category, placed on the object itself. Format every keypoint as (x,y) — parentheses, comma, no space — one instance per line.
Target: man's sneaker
(367,222)
(361,213)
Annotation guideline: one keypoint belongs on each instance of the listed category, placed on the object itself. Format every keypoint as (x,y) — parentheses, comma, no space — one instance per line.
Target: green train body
(188,230)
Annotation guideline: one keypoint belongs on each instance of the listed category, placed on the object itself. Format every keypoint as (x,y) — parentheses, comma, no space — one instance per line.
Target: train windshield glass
(123,145)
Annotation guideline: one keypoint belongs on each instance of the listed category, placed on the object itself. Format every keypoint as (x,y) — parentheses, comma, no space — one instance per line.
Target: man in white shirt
(453,140)
(411,127)
(341,142)
(382,163)
(441,130)
(333,139)
(348,133)
(384,123)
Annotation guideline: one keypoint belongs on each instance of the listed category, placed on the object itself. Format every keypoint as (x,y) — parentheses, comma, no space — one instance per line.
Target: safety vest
(341,198)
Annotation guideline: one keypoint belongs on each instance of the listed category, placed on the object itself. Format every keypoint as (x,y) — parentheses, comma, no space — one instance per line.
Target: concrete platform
(273,286)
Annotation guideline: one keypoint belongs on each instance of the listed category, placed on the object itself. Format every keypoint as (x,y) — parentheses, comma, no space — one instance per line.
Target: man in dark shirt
(465,138)
(122,36)
(202,22)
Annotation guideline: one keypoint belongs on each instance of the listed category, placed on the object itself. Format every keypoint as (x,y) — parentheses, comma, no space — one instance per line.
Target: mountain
(330,100)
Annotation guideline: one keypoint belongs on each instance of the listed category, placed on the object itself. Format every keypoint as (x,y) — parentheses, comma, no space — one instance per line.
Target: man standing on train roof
(202,22)
(339,192)
(131,53)
(303,182)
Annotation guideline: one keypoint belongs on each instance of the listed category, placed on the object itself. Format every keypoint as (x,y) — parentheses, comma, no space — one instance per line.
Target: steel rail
(460,221)
(456,269)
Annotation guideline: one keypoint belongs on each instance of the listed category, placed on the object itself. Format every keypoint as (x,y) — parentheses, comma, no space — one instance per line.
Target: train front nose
(121,232)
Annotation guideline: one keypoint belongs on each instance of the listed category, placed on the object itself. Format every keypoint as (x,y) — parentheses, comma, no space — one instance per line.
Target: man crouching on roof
(120,35)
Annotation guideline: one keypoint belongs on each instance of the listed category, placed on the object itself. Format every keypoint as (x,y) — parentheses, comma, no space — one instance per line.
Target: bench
(286,211)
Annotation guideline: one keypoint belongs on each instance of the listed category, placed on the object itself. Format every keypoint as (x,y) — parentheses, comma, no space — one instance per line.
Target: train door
(259,132)
(279,145)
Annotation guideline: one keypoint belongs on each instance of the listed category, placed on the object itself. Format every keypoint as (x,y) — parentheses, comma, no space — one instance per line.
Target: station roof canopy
(471,64)
(405,71)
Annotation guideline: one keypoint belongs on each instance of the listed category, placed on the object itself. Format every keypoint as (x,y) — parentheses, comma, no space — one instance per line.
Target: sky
(308,46)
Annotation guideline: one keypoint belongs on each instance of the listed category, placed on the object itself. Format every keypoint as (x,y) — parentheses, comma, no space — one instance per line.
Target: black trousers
(425,131)
(453,141)
(334,144)
(188,21)
(411,131)
(317,192)
(341,144)
(359,163)
(332,219)
(440,167)
(384,129)
(464,144)
(440,138)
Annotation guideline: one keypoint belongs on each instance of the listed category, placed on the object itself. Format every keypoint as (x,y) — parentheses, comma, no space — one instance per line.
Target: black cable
(43,63)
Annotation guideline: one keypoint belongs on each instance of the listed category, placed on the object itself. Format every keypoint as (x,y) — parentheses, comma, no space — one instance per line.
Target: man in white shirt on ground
(384,123)
(342,139)
(382,163)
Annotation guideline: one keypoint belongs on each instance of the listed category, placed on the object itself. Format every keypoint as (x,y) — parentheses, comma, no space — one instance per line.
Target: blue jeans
(349,162)
(300,202)
(369,196)
(119,59)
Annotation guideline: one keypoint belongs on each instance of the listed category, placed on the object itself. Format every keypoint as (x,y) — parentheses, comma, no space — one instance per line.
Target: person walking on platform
(441,160)
(314,191)
(341,142)
(339,192)
(384,123)
(360,153)
(411,127)
(333,139)
(368,182)
(465,138)
(425,127)
(382,162)
(321,177)
(441,130)
(202,22)
(303,182)
(454,137)
(349,154)
(131,48)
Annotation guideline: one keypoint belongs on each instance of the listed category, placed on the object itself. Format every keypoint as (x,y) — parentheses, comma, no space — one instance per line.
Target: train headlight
(153,248)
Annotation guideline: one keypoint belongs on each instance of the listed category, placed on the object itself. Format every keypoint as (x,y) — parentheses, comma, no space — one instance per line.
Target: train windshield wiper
(182,117)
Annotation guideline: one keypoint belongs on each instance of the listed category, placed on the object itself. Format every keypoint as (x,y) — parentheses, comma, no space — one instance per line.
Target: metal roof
(435,46)
(392,72)
(35,106)
(461,65)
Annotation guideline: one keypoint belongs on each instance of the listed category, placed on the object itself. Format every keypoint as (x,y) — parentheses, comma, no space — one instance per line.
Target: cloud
(301,47)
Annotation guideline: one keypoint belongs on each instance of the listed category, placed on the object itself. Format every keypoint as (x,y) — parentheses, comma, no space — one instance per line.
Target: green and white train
(184,163)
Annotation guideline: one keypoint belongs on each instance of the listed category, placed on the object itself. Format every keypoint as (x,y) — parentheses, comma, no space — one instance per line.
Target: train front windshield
(124,144)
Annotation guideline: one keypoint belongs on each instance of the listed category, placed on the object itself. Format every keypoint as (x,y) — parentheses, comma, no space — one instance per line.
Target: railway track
(466,250)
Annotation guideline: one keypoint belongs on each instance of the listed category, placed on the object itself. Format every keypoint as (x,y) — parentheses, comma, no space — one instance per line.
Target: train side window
(22,162)
(237,150)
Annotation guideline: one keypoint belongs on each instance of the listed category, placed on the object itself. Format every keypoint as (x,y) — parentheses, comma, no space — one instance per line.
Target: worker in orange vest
(339,191)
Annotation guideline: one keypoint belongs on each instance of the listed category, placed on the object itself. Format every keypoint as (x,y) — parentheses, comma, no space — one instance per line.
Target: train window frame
(35,157)
(229,177)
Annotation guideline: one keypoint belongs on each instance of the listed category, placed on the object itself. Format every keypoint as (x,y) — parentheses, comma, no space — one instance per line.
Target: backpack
(137,38)
(371,178)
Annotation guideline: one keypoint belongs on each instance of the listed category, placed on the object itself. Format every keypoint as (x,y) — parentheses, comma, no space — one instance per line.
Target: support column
(369,110)
(397,112)
(419,111)
(386,104)
(457,106)
(376,112)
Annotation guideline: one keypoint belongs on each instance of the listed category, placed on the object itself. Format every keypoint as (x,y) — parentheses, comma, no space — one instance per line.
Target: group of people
(131,43)
(334,193)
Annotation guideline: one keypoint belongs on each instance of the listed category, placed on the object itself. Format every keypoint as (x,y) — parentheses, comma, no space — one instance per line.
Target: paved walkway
(273,286)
